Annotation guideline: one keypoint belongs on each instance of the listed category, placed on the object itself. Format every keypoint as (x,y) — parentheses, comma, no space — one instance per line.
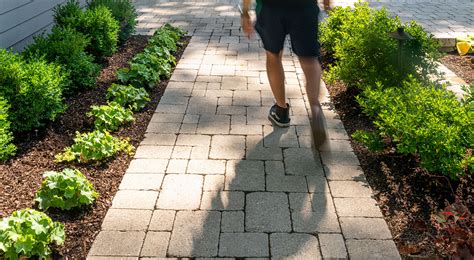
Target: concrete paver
(214,179)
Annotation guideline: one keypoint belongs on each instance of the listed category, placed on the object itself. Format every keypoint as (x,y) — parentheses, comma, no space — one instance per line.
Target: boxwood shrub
(66,46)
(364,52)
(32,88)
(424,120)
(123,11)
(7,149)
(98,24)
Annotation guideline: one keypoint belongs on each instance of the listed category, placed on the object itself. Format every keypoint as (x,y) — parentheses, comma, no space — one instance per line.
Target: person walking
(299,19)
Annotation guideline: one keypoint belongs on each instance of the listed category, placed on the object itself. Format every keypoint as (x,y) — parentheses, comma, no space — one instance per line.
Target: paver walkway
(446,20)
(213,178)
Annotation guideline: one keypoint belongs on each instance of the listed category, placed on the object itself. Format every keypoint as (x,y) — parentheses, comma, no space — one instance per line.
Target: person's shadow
(274,203)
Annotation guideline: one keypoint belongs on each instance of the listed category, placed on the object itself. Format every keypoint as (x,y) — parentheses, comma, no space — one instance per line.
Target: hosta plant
(65,190)
(94,146)
(28,233)
(128,96)
(111,116)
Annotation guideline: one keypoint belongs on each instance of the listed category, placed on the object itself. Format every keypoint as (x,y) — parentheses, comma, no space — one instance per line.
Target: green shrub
(94,146)
(67,47)
(365,54)
(128,96)
(123,11)
(68,14)
(65,190)
(371,140)
(102,28)
(424,120)
(28,233)
(7,149)
(33,89)
(111,116)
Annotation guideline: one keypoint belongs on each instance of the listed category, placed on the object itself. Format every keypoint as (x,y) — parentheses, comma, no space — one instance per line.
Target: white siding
(20,20)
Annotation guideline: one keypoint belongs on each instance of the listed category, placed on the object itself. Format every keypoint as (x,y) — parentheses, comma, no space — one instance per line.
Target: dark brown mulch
(21,176)
(407,194)
(462,66)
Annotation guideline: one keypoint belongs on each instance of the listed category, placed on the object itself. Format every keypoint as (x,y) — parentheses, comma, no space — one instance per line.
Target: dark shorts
(275,21)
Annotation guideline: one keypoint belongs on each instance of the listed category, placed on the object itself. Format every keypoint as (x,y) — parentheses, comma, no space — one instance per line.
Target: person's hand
(246,23)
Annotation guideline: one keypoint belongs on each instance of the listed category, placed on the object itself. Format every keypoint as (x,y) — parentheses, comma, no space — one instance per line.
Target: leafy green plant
(102,28)
(138,75)
(67,47)
(7,149)
(424,120)
(371,140)
(110,116)
(166,37)
(468,97)
(32,88)
(68,14)
(28,233)
(65,190)
(123,11)
(128,96)
(365,54)
(94,146)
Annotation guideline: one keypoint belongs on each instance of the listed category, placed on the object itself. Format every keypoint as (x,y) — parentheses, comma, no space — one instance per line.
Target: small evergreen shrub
(66,46)
(128,96)
(7,149)
(123,11)
(94,146)
(65,190)
(111,116)
(371,140)
(32,88)
(102,28)
(427,121)
(28,233)
(68,14)
(365,54)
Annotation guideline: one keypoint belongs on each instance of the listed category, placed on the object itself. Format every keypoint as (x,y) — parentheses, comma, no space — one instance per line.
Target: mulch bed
(462,66)
(407,194)
(21,176)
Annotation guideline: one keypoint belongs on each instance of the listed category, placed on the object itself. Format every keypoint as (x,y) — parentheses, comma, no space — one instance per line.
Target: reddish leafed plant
(455,227)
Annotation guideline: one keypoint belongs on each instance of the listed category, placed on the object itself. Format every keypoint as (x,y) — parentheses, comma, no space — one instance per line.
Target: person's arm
(245,20)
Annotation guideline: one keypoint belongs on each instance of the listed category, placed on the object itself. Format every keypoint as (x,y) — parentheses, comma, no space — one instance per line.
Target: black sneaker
(280,116)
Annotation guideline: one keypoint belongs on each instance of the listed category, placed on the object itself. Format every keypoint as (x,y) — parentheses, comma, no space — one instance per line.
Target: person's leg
(312,72)
(276,77)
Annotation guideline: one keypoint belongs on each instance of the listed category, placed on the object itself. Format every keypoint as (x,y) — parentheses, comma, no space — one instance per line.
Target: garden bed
(406,194)
(22,175)
(462,66)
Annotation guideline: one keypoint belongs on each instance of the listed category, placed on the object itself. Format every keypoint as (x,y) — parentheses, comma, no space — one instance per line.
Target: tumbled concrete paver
(267,212)
(244,245)
(181,192)
(195,233)
(156,244)
(365,228)
(332,246)
(132,199)
(294,246)
(162,220)
(106,243)
(214,179)
(372,249)
(126,219)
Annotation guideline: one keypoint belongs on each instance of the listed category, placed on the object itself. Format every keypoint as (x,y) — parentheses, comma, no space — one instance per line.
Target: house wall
(20,20)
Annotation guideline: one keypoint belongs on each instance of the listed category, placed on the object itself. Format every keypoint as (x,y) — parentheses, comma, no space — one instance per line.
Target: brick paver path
(446,20)
(213,178)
